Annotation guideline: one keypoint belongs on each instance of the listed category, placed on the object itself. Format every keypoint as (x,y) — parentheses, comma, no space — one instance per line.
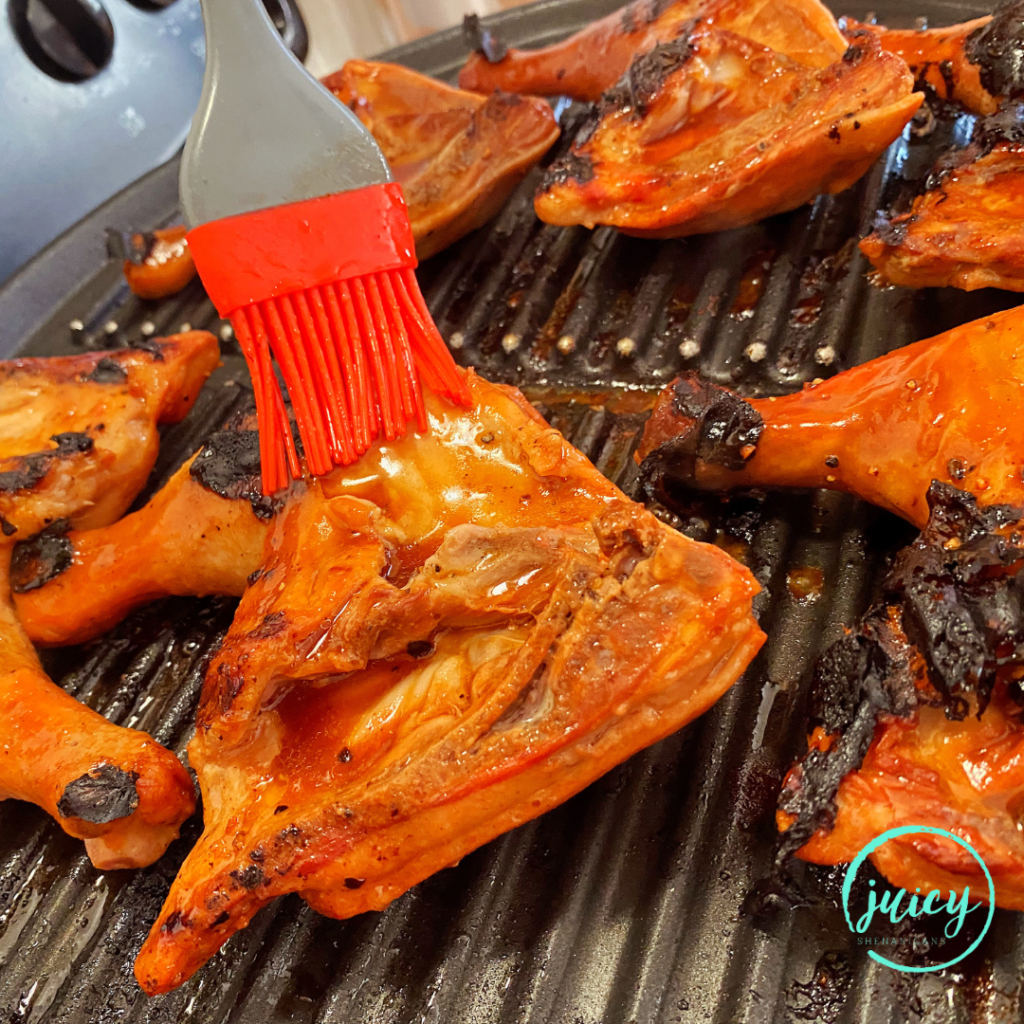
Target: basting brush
(303,242)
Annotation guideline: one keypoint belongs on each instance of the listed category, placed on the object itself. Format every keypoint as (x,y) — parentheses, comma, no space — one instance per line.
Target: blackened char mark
(719,428)
(855,681)
(1004,127)
(952,602)
(647,74)
(72,443)
(108,371)
(30,469)
(574,167)
(102,794)
(483,40)
(998,50)
(152,346)
(38,559)
(250,877)
(229,465)
(961,595)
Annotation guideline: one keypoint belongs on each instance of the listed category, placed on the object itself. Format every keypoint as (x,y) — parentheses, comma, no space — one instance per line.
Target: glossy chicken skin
(456,155)
(937,59)
(116,788)
(964,777)
(444,642)
(78,434)
(965,233)
(188,540)
(595,58)
(713,131)
(166,267)
(941,409)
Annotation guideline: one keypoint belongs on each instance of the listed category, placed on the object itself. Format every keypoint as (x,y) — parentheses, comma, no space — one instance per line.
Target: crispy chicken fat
(441,643)
(78,437)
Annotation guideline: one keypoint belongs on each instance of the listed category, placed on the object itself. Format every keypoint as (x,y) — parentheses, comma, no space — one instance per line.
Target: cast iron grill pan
(623,904)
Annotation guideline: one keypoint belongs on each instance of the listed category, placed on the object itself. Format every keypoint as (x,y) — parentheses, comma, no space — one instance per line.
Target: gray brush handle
(266,132)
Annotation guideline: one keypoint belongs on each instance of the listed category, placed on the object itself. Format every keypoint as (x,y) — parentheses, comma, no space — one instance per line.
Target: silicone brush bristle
(328,293)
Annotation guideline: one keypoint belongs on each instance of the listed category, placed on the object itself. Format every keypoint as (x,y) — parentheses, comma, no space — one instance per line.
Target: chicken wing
(116,788)
(78,434)
(595,58)
(964,230)
(975,64)
(443,642)
(713,131)
(917,714)
(201,534)
(456,155)
(940,409)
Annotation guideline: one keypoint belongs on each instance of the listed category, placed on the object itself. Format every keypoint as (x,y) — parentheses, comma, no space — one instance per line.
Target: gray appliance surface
(75,130)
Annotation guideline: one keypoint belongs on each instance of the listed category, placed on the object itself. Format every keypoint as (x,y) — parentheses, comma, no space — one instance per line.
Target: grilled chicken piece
(116,788)
(965,777)
(941,712)
(938,59)
(595,58)
(976,64)
(78,434)
(444,642)
(157,263)
(940,409)
(964,230)
(713,131)
(457,155)
(201,534)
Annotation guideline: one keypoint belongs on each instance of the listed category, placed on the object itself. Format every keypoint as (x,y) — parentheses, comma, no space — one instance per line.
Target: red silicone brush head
(325,287)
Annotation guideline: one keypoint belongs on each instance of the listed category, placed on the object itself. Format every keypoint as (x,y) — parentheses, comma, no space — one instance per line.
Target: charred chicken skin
(595,58)
(916,711)
(441,643)
(712,131)
(78,437)
(941,409)
(917,714)
(976,64)
(456,155)
(964,230)
(201,534)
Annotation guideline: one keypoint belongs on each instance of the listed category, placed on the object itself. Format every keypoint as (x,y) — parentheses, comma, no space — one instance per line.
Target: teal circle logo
(907,830)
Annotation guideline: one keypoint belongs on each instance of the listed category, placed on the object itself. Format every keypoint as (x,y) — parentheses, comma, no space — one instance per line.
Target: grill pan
(623,904)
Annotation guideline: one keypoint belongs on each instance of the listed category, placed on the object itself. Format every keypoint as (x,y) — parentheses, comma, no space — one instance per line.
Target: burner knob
(71,40)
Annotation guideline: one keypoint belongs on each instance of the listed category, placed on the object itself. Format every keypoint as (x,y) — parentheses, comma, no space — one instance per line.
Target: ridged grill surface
(623,904)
